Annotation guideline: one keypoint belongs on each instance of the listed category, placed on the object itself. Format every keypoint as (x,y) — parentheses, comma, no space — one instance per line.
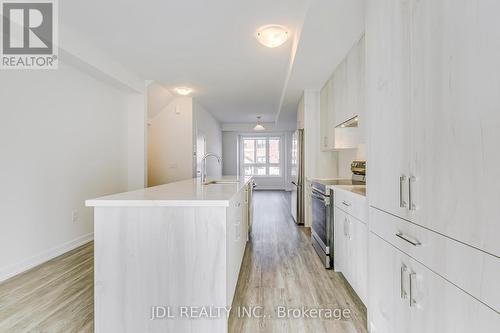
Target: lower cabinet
(236,239)
(350,251)
(405,296)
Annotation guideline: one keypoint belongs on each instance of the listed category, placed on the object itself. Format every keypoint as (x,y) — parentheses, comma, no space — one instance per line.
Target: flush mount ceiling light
(259,126)
(184,91)
(272,35)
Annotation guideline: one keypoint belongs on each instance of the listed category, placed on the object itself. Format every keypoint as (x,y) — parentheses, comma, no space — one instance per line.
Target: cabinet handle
(408,239)
(402,180)
(411,205)
(237,232)
(348,228)
(345,226)
(345,203)
(413,284)
(404,269)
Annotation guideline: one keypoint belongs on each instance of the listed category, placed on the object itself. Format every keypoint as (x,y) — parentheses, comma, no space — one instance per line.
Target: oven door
(320,230)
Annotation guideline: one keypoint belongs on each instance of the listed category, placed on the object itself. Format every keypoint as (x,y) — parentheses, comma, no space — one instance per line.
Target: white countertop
(188,192)
(357,189)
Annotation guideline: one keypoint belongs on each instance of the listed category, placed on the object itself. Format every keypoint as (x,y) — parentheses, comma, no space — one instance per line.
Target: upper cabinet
(327,118)
(342,99)
(433,101)
(388,104)
(350,80)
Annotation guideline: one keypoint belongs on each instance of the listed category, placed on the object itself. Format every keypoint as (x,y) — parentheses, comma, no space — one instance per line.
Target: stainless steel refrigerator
(297,173)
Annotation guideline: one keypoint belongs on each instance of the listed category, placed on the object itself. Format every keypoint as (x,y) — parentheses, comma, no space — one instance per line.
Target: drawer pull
(345,203)
(408,239)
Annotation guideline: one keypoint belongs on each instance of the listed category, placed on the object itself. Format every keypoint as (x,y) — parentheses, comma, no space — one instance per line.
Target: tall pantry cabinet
(433,98)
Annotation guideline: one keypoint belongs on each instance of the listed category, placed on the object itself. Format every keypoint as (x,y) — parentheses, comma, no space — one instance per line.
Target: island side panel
(158,256)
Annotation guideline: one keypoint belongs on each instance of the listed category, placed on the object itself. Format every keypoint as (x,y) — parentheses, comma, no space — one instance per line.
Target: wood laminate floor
(55,297)
(280,268)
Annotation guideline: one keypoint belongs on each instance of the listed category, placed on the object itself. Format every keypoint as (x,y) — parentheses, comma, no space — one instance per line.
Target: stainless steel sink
(221,182)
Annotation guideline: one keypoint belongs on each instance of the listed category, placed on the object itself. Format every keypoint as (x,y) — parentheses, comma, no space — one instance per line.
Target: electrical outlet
(74,216)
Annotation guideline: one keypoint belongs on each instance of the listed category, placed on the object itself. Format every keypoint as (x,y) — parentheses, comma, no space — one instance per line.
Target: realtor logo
(29,34)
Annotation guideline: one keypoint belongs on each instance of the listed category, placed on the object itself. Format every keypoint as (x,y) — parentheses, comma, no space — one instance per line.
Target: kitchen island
(167,258)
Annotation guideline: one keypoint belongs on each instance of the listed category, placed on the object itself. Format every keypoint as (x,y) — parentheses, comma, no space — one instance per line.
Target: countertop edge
(340,187)
(103,202)
(156,203)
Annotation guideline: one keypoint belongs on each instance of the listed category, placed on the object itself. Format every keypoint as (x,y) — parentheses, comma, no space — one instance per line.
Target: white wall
(345,157)
(211,128)
(136,152)
(173,123)
(170,143)
(158,97)
(230,153)
(63,139)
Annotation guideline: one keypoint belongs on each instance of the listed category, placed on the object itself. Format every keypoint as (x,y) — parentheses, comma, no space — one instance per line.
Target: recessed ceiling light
(272,35)
(184,91)
(259,126)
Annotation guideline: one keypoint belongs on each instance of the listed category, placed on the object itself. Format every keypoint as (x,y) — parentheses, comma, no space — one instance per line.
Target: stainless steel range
(322,210)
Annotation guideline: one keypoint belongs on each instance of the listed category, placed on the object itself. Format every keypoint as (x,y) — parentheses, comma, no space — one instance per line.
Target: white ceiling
(330,30)
(210,46)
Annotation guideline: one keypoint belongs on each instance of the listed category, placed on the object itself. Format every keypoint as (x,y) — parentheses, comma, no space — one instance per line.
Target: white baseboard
(12,270)
(270,187)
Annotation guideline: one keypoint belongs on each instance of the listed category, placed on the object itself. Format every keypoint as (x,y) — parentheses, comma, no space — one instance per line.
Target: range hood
(351,122)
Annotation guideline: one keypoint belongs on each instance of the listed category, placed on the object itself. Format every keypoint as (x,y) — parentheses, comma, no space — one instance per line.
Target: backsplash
(345,157)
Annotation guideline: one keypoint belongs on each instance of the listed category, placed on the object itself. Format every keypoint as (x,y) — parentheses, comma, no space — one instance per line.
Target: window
(261,156)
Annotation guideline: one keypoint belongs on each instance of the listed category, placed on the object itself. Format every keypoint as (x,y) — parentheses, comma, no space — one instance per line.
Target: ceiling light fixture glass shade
(259,126)
(272,35)
(184,91)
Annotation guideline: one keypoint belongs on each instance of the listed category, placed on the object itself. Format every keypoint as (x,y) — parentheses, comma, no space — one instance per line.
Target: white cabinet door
(340,241)
(405,296)
(246,212)
(326,118)
(332,113)
(350,251)
(439,306)
(340,92)
(348,263)
(456,117)
(355,74)
(388,67)
(382,311)
(358,257)
(235,242)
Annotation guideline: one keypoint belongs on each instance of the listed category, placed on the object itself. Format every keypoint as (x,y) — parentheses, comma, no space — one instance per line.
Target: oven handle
(324,199)
(320,193)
